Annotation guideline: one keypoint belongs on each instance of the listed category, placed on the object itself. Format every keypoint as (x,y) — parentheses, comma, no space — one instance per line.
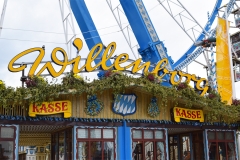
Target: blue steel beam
(151,48)
(87,26)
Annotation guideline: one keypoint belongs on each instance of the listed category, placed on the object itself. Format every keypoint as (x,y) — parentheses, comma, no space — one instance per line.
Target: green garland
(118,83)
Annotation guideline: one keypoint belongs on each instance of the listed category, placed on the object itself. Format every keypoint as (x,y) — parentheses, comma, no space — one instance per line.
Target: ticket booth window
(96,144)
(221,145)
(7,142)
(186,146)
(148,144)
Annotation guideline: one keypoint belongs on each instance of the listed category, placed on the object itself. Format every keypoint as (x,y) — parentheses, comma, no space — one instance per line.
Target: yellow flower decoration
(41,78)
(2,85)
(77,77)
(30,76)
(114,70)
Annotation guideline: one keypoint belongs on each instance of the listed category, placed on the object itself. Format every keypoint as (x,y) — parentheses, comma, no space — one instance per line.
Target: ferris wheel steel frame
(68,25)
(181,16)
(193,52)
(189,56)
(125,29)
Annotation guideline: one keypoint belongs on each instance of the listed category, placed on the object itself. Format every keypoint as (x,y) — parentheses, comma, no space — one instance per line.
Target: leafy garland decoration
(153,109)
(94,106)
(11,97)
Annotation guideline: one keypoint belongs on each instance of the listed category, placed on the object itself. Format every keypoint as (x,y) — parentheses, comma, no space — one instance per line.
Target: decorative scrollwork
(94,106)
(153,109)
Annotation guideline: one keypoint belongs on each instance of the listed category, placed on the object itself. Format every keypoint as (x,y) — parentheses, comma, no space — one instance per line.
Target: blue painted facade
(124,142)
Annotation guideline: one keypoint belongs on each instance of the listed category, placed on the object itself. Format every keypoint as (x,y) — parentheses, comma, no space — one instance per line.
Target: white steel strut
(3,15)
(125,28)
(68,25)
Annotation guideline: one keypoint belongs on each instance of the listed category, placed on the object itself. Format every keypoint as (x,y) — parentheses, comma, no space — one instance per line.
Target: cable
(29,40)
(57,32)
(58,42)
(102,35)
(153,7)
(30,30)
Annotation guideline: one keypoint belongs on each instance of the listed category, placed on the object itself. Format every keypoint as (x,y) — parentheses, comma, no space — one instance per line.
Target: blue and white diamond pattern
(146,20)
(125,104)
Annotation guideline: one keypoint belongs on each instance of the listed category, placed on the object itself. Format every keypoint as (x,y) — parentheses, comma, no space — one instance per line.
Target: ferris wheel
(149,45)
(118,9)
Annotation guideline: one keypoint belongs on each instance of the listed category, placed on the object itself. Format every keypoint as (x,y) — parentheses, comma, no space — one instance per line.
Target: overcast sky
(31,23)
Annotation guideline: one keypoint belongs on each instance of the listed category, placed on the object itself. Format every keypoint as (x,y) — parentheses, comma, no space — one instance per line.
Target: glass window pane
(82,133)
(229,135)
(222,150)
(231,151)
(159,134)
(148,134)
(7,132)
(82,150)
(95,133)
(148,148)
(96,150)
(55,146)
(137,134)
(171,152)
(107,133)
(220,135)
(6,150)
(160,150)
(175,139)
(171,140)
(212,150)
(137,151)
(109,150)
(61,146)
(186,150)
(211,135)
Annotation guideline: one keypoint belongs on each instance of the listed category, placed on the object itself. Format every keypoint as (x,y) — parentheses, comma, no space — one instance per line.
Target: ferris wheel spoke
(181,63)
(125,28)
(182,17)
(68,25)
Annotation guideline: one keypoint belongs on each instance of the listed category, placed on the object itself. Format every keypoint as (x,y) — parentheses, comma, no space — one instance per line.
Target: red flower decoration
(150,77)
(30,83)
(235,102)
(211,96)
(108,73)
(182,86)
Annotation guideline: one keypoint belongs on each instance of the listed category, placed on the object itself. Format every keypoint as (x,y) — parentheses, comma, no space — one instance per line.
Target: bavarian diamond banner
(125,104)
